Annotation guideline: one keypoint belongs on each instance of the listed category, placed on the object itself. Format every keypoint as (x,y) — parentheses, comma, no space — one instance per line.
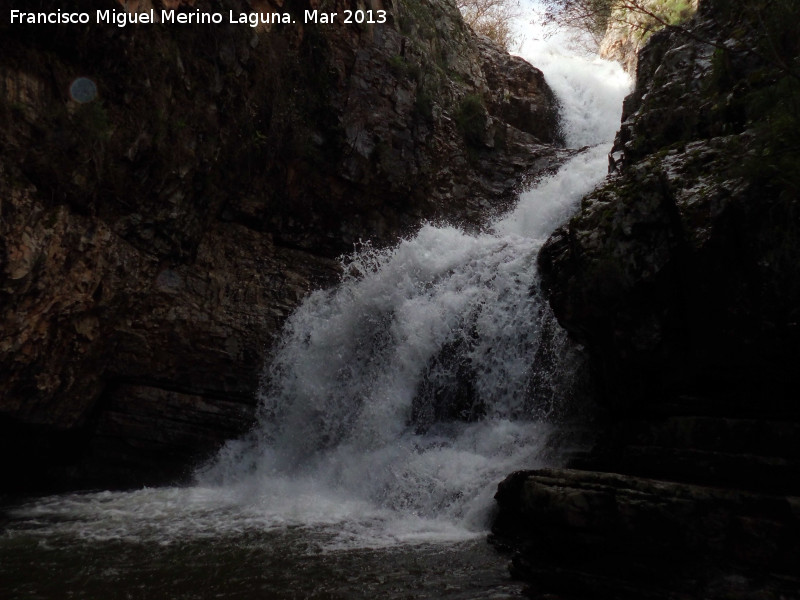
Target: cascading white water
(358,436)
(363,391)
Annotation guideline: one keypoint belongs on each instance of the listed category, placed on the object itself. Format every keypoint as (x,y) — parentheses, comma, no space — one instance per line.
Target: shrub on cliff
(471,119)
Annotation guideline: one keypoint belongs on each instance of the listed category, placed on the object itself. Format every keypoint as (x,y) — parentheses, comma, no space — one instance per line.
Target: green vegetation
(777,110)
(423,103)
(756,81)
(471,117)
(659,14)
(417,20)
(402,67)
(642,17)
(91,121)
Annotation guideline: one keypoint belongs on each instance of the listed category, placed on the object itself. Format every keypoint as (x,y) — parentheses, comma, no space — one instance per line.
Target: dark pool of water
(278,564)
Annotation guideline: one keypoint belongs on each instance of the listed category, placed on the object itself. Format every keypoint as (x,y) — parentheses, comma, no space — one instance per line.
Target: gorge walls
(155,238)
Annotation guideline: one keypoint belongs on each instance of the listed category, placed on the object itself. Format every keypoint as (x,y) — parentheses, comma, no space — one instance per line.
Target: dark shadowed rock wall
(680,273)
(153,240)
(680,276)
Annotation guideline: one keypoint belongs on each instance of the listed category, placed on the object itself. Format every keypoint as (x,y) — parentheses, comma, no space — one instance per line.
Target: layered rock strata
(155,237)
(679,275)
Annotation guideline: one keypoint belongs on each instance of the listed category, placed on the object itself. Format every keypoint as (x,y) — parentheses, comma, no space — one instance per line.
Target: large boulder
(615,536)
(680,273)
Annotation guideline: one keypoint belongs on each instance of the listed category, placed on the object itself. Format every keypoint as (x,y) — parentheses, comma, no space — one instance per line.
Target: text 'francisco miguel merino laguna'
(253,19)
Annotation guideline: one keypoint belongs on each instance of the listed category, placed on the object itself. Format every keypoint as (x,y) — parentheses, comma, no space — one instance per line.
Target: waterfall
(402,396)
(397,401)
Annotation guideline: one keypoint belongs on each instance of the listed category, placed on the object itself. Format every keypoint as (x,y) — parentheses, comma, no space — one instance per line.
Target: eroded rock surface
(679,272)
(679,275)
(154,239)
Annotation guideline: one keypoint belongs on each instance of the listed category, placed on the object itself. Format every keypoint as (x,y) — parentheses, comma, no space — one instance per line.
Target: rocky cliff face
(154,238)
(679,275)
(678,272)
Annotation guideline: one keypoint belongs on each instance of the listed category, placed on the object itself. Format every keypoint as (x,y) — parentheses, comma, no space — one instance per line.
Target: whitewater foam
(358,402)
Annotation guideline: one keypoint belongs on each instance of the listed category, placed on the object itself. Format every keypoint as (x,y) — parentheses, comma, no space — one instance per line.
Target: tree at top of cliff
(595,17)
(492,18)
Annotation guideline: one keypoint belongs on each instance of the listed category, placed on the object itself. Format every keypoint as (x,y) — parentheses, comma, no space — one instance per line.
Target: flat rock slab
(631,532)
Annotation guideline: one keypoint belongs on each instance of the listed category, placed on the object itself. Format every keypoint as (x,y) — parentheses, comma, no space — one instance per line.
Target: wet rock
(676,272)
(447,390)
(612,535)
(154,239)
(679,277)
(162,432)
